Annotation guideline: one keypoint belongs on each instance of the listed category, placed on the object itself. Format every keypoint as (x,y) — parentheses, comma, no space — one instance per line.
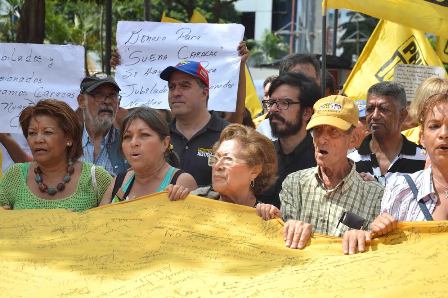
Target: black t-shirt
(302,157)
(194,153)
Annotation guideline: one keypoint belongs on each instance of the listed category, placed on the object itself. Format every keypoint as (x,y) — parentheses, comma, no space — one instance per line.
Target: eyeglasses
(100,97)
(226,161)
(282,104)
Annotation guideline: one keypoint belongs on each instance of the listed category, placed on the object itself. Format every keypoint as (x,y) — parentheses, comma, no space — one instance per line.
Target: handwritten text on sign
(147,48)
(411,76)
(31,72)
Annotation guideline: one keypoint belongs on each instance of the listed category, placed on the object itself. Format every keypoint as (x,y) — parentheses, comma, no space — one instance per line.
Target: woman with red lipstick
(55,178)
(244,164)
(145,143)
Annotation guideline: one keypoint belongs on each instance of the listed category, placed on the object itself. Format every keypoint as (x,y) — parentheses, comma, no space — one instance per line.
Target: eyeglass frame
(104,97)
(234,160)
(269,103)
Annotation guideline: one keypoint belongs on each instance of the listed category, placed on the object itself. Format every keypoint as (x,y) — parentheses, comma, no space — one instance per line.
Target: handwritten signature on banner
(147,48)
(200,247)
(31,72)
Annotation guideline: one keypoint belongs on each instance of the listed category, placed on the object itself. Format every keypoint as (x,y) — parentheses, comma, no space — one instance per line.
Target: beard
(288,128)
(103,122)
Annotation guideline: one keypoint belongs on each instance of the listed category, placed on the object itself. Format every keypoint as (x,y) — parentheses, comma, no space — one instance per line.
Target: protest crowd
(323,163)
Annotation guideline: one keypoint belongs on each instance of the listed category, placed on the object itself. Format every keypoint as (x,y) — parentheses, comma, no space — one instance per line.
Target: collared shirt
(399,201)
(410,159)
(194,153)
(304,197)
(103,157)
(302,157)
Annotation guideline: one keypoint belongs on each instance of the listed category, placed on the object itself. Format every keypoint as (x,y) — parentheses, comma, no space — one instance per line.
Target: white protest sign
(410,76)
(147,48)
(31,72)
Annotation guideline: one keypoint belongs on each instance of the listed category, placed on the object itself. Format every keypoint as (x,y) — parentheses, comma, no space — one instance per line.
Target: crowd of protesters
(324,163)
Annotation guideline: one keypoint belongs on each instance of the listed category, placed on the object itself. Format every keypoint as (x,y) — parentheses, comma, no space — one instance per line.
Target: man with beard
(290,105)
(386,152)
(99,100)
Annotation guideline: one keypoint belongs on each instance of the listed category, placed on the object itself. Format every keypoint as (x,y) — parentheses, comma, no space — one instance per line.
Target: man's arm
(237,116)
(14,150)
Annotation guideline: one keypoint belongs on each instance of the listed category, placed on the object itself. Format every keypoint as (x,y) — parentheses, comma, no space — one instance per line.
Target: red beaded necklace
(60,187)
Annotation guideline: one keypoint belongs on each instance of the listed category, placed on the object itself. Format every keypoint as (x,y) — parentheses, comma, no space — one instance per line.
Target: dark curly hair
(64,115)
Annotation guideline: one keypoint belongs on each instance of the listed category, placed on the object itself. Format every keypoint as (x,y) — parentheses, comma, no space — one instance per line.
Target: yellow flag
(253,103)
(197,17)
(426,15)
(390,44)
(166,19)
(442,49)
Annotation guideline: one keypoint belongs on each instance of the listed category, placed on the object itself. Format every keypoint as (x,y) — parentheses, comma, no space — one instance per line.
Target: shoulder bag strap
(421,204)
(118,182)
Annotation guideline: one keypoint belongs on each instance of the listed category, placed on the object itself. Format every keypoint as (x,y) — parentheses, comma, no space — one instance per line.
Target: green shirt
(303,197)
(15,192)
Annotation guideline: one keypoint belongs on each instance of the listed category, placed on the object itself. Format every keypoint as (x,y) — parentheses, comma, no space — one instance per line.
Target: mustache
(273,116)
(106,109)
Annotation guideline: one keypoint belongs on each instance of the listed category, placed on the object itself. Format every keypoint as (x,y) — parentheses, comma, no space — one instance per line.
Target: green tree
(356,33)
(270,48)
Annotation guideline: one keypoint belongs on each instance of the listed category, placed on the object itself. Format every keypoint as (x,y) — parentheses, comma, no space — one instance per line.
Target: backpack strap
(421,204)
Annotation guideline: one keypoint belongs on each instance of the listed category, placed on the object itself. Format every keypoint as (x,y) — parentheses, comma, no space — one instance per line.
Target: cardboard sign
(32,72)
(147,48)
(411,76)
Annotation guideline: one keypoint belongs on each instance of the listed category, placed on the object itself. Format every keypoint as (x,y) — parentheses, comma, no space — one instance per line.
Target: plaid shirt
(399,201)
(304,198)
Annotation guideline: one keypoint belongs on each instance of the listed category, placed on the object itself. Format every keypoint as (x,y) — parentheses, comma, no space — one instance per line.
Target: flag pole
(324,47)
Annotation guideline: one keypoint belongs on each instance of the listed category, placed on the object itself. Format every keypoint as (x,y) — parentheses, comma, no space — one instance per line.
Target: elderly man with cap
(99,100)
(330,198)
(194,130)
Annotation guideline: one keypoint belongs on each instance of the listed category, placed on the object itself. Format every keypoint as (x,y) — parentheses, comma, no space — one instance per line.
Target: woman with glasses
(145,143)
(244,164)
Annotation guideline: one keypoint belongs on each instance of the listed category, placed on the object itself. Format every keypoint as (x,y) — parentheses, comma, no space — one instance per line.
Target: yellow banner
(426,15)
(390,44)
(442,49)
(203,248)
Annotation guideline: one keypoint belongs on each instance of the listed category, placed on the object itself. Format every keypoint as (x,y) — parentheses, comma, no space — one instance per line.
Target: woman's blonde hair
(429,87)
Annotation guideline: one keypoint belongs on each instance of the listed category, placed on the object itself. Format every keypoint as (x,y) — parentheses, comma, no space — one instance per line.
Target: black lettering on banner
(439,2)
(407,53)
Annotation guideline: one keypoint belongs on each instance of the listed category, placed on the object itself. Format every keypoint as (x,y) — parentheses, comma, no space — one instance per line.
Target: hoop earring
(252,183)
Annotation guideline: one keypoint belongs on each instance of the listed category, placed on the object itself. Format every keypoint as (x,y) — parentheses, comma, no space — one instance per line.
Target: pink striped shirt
(398,199)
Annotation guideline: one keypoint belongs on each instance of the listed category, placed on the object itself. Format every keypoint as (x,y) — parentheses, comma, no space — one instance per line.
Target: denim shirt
(109,157)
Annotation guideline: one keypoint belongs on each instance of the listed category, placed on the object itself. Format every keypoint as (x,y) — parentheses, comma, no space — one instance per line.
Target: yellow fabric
(442,49)
(260,119)
(205,248)
(426,15)
(166,19)
(412,134)
(253,103)
(197,17)
(390,44)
